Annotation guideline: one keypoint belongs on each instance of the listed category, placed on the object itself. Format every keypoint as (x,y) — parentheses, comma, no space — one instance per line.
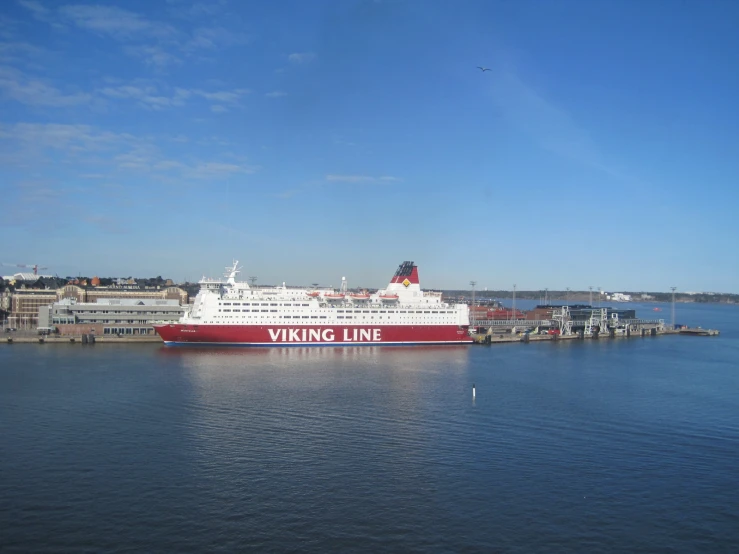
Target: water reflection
(317,414)
(216,359)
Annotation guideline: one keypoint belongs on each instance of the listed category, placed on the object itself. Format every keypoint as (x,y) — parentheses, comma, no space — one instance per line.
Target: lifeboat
(359,296)
(389,297)
(334,296)
(313,293)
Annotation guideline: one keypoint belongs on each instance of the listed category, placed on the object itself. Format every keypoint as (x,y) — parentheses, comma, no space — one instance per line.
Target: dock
(564,325)
(699,332)
(597,323)
(82,339)
(485,338)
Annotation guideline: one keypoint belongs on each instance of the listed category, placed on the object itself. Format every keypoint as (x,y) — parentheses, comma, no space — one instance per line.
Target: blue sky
(312,140)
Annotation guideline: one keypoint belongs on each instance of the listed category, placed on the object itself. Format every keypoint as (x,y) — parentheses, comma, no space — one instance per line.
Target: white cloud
(223,96)
(34,7)
(207,170)
(107,224)
(149,96)
(34,92)
(157,43)
(166,165)
(146,95)
(39,11)
(359,179)
(276,94)
(33,145)
(212,38)
(115,22)
(61,136)
(140,156)
(39,191)
(11,52)
(350,178)
(301,57)
(287,194)
(196,10)
(152,55)
(109,153)
(552,127)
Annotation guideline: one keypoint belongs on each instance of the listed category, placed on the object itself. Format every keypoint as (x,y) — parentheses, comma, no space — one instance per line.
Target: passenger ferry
(232,312)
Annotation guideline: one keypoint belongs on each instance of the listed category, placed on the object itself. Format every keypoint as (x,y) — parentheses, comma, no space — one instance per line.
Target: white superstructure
(232,302)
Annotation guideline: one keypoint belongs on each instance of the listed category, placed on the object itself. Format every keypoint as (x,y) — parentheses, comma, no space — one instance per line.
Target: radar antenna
(232,272)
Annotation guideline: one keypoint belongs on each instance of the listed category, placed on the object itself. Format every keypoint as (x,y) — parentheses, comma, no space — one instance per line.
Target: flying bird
(483,69)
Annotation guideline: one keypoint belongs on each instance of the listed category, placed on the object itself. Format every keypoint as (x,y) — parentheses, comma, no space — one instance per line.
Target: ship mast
(232,272)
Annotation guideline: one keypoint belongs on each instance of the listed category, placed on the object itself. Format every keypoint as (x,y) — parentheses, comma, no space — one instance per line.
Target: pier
(699,332)
(562,326)
(590,323)
(29,338)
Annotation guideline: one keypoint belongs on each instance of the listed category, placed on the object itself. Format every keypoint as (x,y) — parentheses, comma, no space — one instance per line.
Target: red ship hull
(332,335)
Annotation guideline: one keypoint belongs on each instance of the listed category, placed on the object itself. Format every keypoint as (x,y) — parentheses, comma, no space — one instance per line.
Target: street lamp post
(591,296)
(473,283)
(673,306)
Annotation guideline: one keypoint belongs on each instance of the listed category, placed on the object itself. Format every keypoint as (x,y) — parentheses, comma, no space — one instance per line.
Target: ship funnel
(407,273)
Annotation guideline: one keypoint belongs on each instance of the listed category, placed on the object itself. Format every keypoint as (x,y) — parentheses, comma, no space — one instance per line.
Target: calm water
(594,446)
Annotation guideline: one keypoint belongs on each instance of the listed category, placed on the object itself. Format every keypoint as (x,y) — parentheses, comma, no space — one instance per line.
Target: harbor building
(109,316)
(29,297)
(89,293)
(25,305)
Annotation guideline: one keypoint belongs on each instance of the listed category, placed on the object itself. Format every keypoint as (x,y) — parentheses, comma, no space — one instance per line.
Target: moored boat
(235,313)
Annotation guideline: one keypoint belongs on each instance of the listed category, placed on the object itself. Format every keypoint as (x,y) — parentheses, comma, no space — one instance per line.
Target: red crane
(35,267)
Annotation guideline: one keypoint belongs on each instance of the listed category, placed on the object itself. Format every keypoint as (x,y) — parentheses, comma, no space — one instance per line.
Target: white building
(110,316)
(25,277)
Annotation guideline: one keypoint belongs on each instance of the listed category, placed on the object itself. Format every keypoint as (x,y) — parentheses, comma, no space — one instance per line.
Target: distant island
(483,296)
(583,297)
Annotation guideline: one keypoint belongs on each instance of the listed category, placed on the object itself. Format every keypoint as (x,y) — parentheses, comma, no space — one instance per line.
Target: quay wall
(479,338)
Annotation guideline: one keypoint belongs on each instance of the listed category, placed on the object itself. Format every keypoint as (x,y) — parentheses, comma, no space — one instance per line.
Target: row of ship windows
(397,311)
(146,312)
(62,321)
(257,304)
(127,331)
(350,311)
(338,311)
(309,317)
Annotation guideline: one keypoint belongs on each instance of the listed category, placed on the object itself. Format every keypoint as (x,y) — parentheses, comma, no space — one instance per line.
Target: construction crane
(35,267)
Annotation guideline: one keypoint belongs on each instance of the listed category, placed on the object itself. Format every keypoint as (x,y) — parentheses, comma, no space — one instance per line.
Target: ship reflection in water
(223,360)
(311,413)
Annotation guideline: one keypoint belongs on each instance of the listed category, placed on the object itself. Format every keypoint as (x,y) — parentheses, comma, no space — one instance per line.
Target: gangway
(562,317)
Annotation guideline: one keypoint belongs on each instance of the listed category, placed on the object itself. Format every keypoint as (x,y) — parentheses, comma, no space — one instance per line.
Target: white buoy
(473,390)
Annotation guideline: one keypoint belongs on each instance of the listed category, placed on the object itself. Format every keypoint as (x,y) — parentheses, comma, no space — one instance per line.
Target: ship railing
(512,323)
(641,321)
